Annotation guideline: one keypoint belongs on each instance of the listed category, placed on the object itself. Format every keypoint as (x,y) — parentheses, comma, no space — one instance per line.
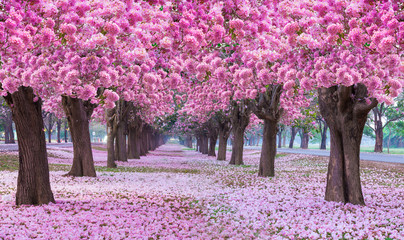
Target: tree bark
(112,127)
(279,137)
(238,146)
(51,122)
(221,153)
(66,128)
(268,151)
(240,117)
(345,111)
(8,128)
(78,114)
(58,127)
(188,141)
(379,136)
(204,144)
(212,145)
(323,130)
(304,140)
(284,140)
(267,107)
(120,142)
(134,146)
(224,125)
(33,185)
(292,137)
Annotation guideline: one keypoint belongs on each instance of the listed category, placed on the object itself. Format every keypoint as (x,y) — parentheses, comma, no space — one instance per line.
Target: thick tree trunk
(305,140)
(238,146)
(224,133)
(268,151)
(33,185)
(204,144)
(323,144)
(345,112)
(292,137)
(120,142)
(78,114)
(379,136)
(240,117)
(134,146)
(212,146)
(188,141)
(112,128)
(110,147)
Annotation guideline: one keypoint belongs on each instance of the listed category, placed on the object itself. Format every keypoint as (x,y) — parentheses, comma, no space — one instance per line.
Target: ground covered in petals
(177,193)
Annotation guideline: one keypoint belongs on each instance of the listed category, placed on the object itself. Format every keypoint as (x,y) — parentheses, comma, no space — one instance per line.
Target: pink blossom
(291,28)
(166,42)
(386,44)
(112,28)
(17,44)
(236,24)
(289,85)
(334,29)
(69,29)
(356,36)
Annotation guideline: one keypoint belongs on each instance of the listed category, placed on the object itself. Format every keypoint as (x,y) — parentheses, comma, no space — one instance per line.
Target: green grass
(8,162)
(55,156)
(392,150)
(188,149)
(100,148)
(363,149)
(145,170)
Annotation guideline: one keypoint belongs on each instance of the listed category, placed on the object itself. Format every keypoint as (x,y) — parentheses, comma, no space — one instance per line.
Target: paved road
(14,147)
(380,157)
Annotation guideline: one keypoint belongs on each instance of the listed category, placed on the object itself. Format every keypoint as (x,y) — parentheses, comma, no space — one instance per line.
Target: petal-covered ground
(175,193)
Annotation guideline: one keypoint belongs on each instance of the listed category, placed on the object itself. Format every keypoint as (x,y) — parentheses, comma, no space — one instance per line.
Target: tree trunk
(58,127)
(204,144)
(33,185)
(240,117)
(8,128)
(268,150)
(238,146)
(50,126)
(66,131)
(284,140)
(279,138)
(112,128)
(345,111)
(305,140)
(379,136)
(198,143)
(212,146)
(188,141)
(110,147)
(224,132)
(134,146)
(120,142)
(78,114)
(50,136)
(292,137)
(323,144)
